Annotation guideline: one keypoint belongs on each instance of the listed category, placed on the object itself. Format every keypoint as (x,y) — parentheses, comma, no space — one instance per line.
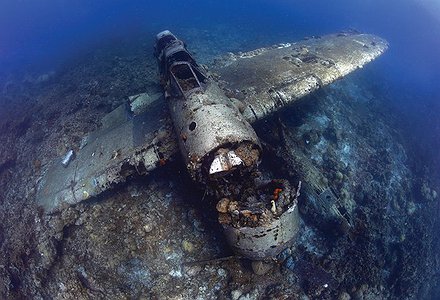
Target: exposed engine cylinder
(214,137)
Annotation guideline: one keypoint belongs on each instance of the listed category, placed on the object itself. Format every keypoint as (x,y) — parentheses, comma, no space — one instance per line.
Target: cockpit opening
(186,78)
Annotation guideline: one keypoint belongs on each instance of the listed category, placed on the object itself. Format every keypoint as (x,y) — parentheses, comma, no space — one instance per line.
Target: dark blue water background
(41,34)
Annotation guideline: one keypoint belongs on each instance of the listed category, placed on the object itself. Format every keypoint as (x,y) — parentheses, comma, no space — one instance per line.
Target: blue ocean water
(42,35)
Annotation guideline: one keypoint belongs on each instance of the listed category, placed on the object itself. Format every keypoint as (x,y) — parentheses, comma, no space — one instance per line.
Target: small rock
(284,254)
(221,272)
(253,295)
(222,205)
(187,246)
(175,273)
(324,180)
(193,270)
(344,296)
(148,227)
(194,218)
(339,176)
(289,263)
(260,267)
(411,207)
(62,287)
(235,294)
(224,218)
(233,206)
(80,220)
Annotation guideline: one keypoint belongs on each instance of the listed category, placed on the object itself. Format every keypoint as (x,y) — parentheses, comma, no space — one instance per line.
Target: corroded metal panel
(268,79)
(125,144)
(261,242)
(205,122)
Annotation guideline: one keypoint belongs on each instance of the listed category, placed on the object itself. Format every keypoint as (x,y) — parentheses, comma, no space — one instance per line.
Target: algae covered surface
(157,236)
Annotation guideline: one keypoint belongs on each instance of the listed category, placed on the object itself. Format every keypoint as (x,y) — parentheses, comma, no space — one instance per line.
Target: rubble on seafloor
(157,237)
(256,203)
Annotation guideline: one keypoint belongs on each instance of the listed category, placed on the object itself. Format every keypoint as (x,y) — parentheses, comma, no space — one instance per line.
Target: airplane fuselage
(222,151)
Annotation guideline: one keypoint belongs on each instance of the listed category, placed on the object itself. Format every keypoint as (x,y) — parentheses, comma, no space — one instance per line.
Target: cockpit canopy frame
(178,69)
(185,79)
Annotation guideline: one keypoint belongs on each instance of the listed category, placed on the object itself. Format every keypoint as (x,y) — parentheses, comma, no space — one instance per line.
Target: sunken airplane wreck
(213,132)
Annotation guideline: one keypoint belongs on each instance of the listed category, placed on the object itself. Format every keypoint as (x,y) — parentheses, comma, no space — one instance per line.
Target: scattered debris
(70,155)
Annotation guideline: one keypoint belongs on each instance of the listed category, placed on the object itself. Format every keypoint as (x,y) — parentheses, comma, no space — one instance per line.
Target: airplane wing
(135,137)
(268,79)
(138,136)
